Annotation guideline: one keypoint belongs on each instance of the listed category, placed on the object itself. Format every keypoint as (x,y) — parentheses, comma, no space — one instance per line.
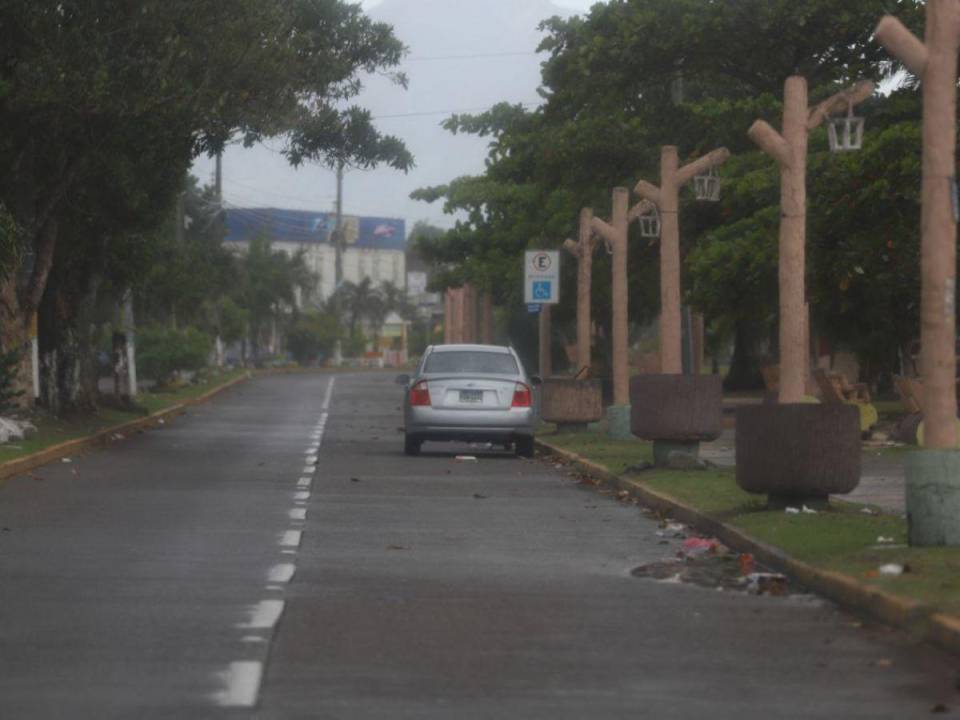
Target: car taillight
(521,396)
(420,394)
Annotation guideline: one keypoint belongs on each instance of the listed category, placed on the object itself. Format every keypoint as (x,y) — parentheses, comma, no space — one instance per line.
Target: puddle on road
(717,572)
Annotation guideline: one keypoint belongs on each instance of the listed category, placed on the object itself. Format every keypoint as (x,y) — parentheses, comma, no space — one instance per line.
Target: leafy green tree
(624,80)
(270,285)
(92,83)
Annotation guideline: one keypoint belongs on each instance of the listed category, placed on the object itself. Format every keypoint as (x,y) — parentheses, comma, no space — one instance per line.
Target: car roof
(470,347)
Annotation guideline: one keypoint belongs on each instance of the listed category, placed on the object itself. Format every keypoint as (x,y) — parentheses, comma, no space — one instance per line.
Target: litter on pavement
(465,458)
(892,569)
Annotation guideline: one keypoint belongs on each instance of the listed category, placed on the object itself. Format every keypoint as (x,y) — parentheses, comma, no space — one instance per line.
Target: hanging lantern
(845,133)
(707,187)
(650,225)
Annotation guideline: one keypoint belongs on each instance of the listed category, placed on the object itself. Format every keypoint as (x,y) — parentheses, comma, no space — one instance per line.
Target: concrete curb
(21,465)
(918,618)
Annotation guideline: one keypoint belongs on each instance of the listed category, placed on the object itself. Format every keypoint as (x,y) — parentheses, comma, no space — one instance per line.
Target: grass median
(852,539)
(53,431)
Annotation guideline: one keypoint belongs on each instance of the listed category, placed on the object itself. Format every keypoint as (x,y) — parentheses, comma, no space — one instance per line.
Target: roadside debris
(465,458)
(893,569)
(868,511)
(767,583)
(66,460)
(881,539)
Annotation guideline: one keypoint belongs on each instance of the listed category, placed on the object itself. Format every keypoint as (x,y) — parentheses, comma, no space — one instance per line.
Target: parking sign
(541,272)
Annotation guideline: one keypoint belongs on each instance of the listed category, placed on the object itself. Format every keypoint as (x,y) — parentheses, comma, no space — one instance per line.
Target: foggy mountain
(499,36)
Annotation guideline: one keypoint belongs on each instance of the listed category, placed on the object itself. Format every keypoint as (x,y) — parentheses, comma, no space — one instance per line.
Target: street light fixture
(845,133)
(707,187)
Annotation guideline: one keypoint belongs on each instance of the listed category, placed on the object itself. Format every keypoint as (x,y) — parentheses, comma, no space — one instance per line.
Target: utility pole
(338,264)
(218,177)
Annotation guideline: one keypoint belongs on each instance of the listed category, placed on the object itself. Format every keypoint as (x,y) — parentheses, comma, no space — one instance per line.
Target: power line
(472,56)
(447,112)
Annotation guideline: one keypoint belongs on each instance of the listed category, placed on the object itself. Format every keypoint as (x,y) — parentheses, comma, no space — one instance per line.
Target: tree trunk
(14,335)
(68,365)
(744,371)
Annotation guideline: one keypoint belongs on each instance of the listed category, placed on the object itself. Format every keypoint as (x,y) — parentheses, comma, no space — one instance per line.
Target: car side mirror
(536,380)
(402,380)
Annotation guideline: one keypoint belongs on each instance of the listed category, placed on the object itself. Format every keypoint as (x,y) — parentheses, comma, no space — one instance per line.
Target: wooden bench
(910,392)
(834,388)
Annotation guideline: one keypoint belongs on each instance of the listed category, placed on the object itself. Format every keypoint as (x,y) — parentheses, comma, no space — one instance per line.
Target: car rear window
(471,361)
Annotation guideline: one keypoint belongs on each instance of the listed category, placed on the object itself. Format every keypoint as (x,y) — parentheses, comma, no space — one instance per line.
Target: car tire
(411,445)
(524,447)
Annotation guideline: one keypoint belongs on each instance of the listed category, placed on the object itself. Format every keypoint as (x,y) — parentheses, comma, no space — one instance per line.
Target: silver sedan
(469,393)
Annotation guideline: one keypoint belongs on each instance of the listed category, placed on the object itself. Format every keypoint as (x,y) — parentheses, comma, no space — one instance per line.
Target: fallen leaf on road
(884,662)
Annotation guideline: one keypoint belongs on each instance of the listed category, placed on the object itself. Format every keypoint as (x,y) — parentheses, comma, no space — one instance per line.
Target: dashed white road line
(304,482)
(282,573)
(264,615)
(291,538)
(242,684)
(301,495)
(298,514)
(329,394)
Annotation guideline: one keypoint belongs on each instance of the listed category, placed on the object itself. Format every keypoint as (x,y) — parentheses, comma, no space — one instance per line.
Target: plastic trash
(892,569)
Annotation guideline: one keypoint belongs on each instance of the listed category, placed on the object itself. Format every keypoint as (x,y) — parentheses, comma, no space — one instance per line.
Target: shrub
(163,351)
(312,335)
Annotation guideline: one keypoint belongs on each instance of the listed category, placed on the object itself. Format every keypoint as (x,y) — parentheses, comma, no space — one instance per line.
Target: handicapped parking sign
(541,275)
(541,290)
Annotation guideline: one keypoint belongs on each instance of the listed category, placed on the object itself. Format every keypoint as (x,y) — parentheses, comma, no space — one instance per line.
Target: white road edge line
(242,681)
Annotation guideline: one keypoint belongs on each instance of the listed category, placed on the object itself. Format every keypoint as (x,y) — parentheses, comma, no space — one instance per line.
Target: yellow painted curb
(910,615)
(20,465)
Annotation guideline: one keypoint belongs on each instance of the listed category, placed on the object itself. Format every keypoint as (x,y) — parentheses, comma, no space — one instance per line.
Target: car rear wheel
(524,447)
(411,445)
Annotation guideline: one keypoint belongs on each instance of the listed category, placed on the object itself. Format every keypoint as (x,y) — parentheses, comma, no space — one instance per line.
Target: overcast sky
(464,55)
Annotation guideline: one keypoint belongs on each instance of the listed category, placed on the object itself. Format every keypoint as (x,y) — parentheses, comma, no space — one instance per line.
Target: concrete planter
(933,497)
(678,408)
(798,453)
(570,403)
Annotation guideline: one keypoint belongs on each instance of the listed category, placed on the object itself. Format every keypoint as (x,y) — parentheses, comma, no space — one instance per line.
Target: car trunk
(470,392)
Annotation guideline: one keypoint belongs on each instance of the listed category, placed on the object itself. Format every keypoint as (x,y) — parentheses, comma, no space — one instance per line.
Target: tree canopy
(633,75)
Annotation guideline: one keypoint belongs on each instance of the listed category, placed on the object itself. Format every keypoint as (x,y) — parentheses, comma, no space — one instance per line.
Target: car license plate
(471,396)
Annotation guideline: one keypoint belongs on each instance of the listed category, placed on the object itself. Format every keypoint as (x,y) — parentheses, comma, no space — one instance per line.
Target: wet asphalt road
(194,570)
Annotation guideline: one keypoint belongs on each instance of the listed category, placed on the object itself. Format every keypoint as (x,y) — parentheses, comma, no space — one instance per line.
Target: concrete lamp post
(574,402)
(674,410)
(933,474)
(614,234)
(794,451)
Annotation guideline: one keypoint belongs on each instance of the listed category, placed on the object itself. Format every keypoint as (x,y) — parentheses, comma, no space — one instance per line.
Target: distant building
(428,304)
(373,247)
